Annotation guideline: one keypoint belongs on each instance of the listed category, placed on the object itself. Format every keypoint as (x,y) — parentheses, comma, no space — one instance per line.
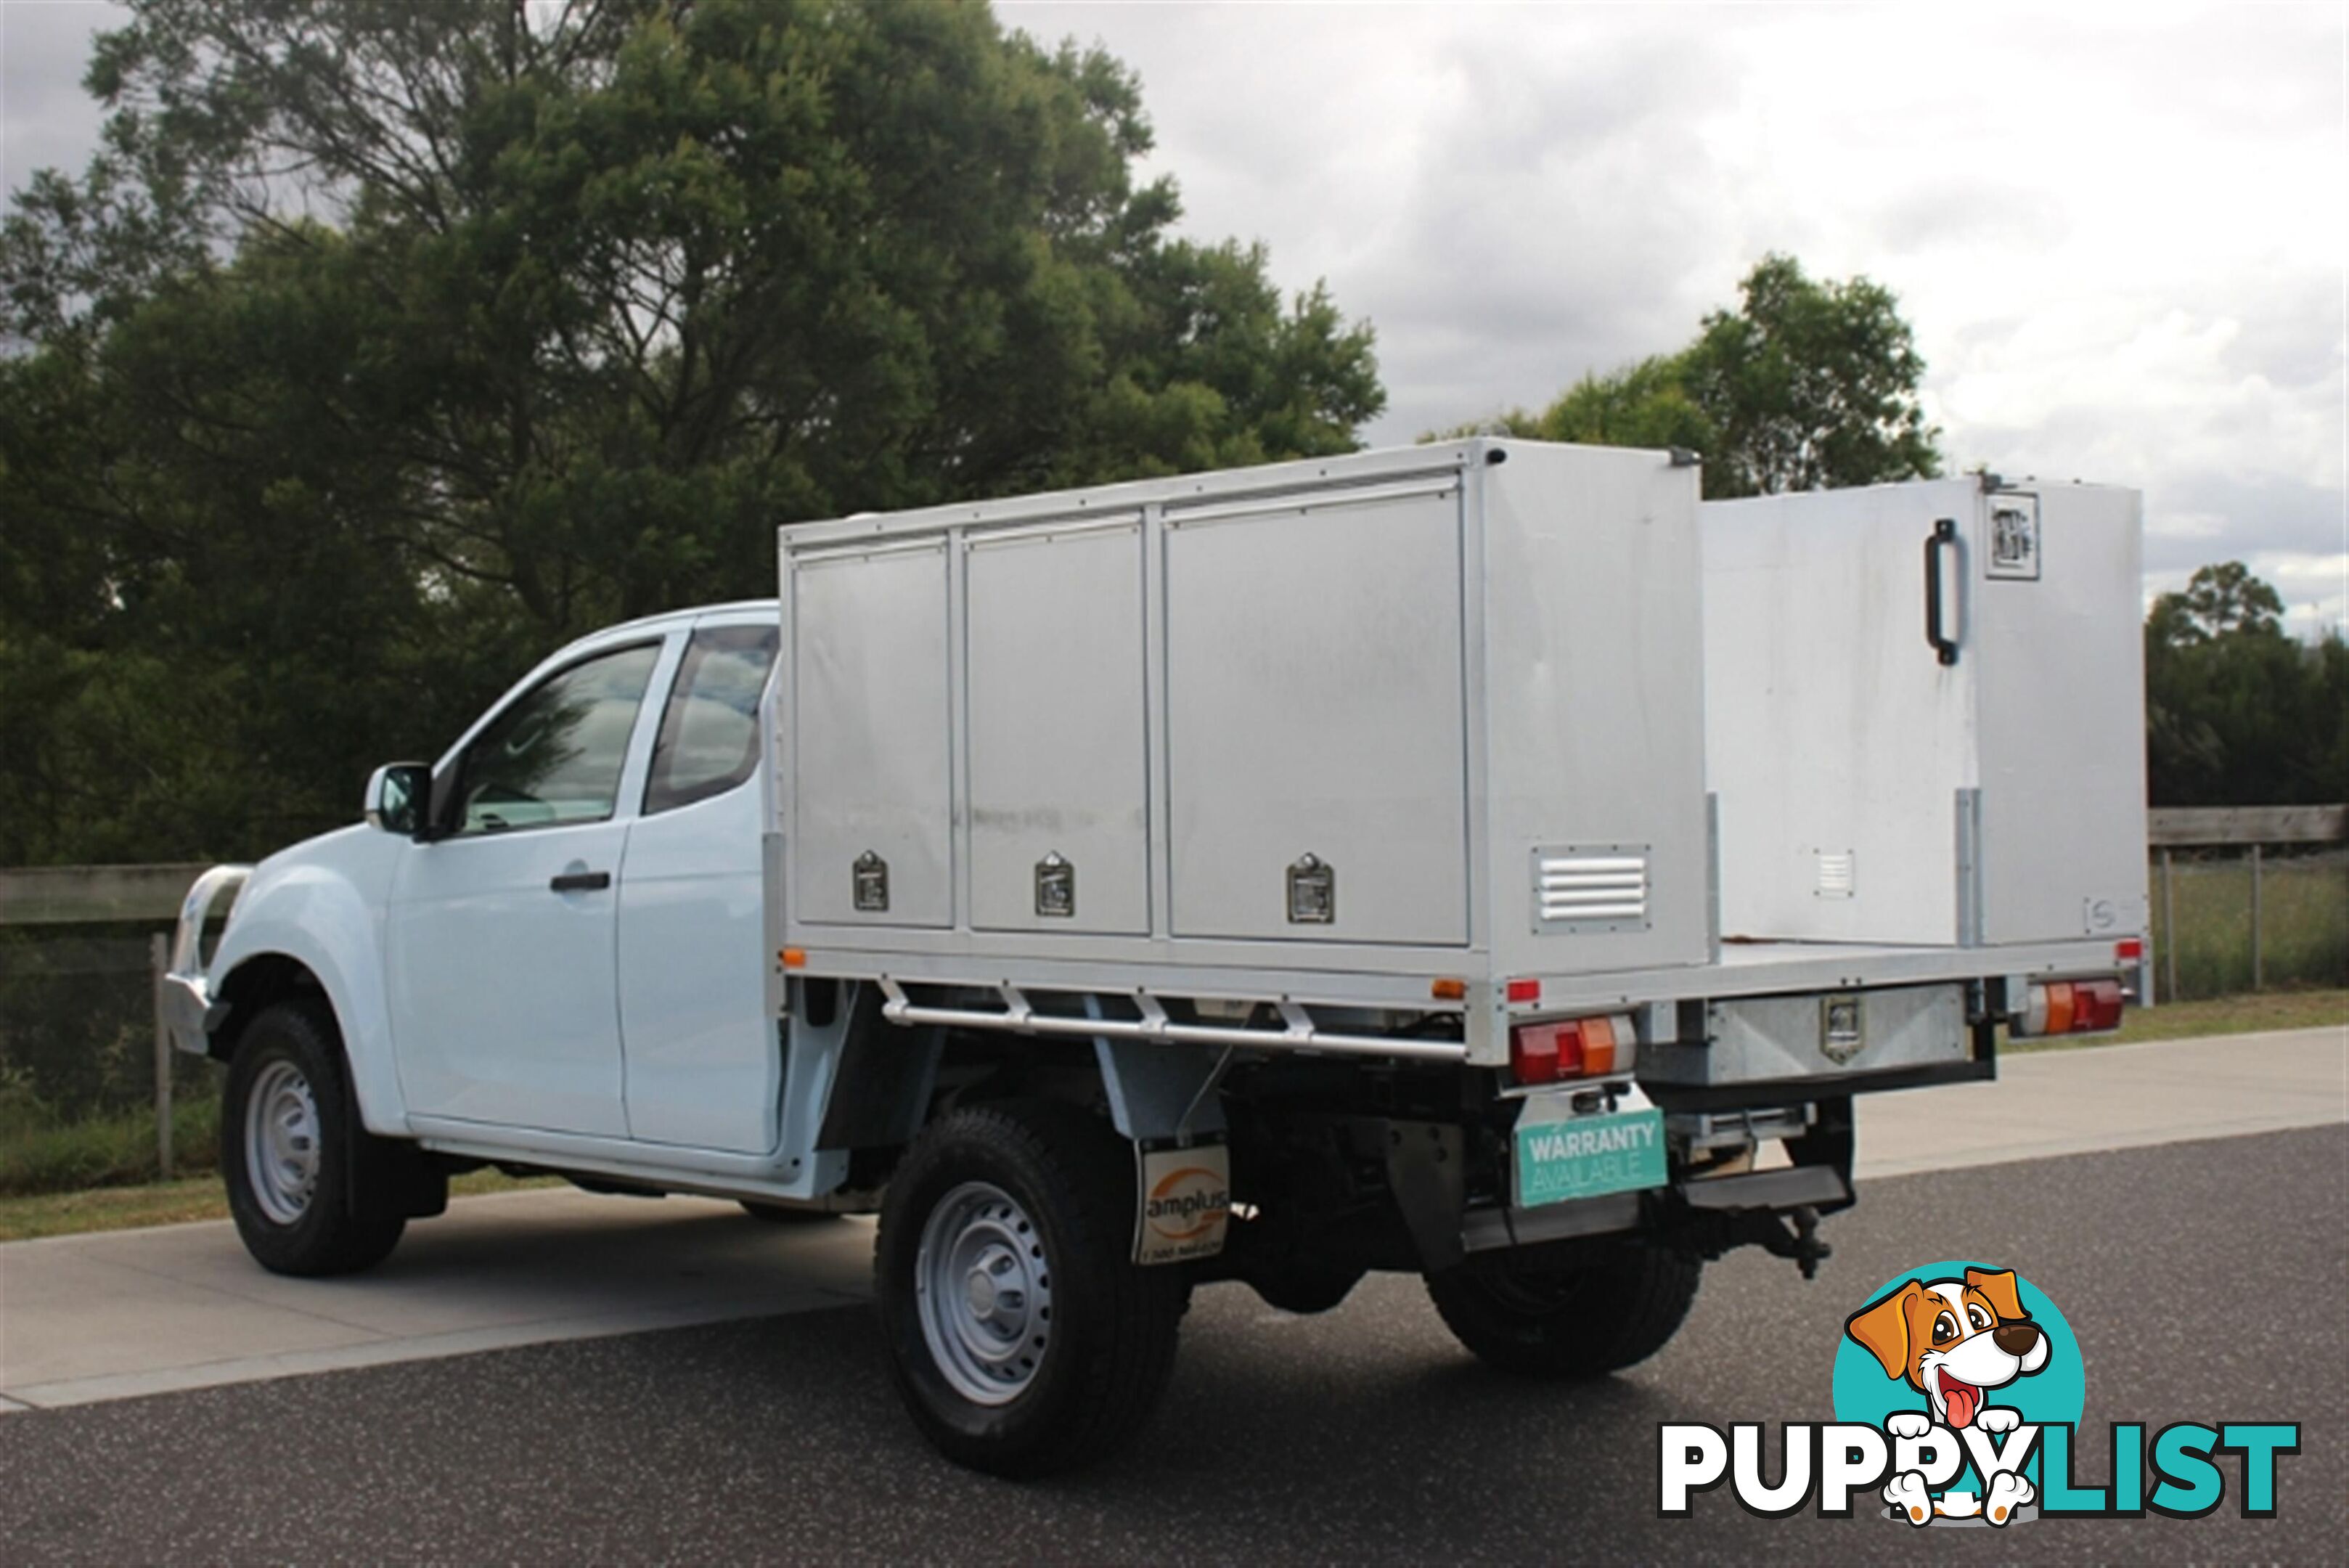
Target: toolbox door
(1839,740)
(1059,796)
(1316,716)
(870,752)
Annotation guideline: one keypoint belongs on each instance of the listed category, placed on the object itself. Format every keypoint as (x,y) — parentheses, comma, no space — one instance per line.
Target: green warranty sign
(1587,1157)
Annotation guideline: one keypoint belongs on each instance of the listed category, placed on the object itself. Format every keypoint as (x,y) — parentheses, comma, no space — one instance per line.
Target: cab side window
(555,753)
(708,740)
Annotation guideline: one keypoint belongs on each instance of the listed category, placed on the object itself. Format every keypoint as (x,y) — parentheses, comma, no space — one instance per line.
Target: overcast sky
(2122,236)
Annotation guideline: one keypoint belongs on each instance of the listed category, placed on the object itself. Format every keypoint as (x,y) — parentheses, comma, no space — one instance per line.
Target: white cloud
(2123,236)
(45,119)
(2120,235)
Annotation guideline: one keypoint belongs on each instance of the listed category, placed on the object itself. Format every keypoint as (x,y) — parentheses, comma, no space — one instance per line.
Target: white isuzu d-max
(1475,860)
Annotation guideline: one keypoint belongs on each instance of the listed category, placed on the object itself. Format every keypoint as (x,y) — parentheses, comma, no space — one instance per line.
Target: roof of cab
(691,613)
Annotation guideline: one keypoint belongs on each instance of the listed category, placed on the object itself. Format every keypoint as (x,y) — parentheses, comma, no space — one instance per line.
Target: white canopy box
(1924,714)
(1382,719)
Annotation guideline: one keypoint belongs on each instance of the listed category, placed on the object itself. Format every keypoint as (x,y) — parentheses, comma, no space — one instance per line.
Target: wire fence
(90,1094)
(2247,920)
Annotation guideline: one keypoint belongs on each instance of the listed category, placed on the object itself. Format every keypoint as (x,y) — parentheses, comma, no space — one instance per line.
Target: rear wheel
(307,1185)
(1549,1313)
(1022,1337)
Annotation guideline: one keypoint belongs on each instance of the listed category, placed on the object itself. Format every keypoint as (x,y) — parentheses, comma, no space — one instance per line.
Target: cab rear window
(709,740)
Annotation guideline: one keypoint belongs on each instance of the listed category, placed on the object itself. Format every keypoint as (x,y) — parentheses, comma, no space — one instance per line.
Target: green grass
(26,1216)
(2304,923)
(42,1153)
(98,1173)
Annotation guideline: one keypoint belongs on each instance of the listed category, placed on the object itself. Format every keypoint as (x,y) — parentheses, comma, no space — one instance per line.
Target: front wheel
(306,1183)
(1541,1312)
(1022,1337)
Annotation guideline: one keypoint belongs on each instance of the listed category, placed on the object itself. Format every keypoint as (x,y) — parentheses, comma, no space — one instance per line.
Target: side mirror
(396,794)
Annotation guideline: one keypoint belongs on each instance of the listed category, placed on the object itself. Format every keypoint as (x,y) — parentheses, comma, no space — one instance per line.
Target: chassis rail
(1299,1032)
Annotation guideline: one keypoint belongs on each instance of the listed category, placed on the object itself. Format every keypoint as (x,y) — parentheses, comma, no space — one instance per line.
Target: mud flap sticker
(1183,1201)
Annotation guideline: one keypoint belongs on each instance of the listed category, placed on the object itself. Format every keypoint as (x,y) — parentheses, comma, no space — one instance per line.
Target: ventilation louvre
(1595,888)
(1838,874)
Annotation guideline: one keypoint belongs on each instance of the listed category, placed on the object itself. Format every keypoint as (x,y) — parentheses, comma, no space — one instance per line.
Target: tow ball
(1804,1244)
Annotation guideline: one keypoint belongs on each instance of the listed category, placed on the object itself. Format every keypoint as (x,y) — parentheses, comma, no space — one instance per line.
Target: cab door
(499,946)
(704,1058)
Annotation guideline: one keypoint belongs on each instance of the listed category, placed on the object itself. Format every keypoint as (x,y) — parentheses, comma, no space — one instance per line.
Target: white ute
(1478,861)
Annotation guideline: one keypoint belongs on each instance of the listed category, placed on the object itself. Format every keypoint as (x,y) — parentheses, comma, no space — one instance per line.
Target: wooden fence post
(2258,966)
(2169,923)
(159,959)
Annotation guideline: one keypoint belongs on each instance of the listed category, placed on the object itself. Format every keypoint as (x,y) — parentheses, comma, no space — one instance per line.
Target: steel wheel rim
(983,1291)
(280,1142)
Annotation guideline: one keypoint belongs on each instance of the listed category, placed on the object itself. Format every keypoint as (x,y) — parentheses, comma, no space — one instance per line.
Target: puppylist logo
(1958,1390)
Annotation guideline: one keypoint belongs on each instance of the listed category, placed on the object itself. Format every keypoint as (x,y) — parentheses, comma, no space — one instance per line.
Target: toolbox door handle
(1944,534)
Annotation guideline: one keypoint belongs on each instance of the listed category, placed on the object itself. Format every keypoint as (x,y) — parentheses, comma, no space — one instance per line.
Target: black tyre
(785,1214)
(313,1192)
(1536,1312)
(1022,1338)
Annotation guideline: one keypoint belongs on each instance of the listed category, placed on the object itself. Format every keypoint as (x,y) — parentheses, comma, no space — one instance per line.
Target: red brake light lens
(1571,1048)
(2095,1006)
(1534,1052)
(1523,991)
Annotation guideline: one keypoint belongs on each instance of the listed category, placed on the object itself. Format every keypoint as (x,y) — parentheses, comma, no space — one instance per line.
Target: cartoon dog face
(1952,1339)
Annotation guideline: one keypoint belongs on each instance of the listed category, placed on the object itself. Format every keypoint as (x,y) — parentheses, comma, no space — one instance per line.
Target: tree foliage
(2219,601)
(1807,384)
(2237,712)
(1640,405)
(387,343)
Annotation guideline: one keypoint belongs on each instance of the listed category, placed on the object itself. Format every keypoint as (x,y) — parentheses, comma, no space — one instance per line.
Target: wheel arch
(314,935)
(875,1085)
(252,988)
(890,1082)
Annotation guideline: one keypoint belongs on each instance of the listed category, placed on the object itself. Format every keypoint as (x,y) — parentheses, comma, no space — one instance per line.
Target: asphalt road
(2206,1281)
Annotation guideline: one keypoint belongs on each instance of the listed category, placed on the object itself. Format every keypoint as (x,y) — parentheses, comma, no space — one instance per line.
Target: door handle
(581,881)
(1943,537)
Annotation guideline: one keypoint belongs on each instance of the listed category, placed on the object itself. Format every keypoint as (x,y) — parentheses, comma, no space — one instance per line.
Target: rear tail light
(2072,1007)
(1570,1048)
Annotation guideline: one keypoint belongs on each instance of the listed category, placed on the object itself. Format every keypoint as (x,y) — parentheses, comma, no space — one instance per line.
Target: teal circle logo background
(2056,1392)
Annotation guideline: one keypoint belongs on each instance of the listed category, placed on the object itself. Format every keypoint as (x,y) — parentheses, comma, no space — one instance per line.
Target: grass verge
(23,1218)
(40,1153)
